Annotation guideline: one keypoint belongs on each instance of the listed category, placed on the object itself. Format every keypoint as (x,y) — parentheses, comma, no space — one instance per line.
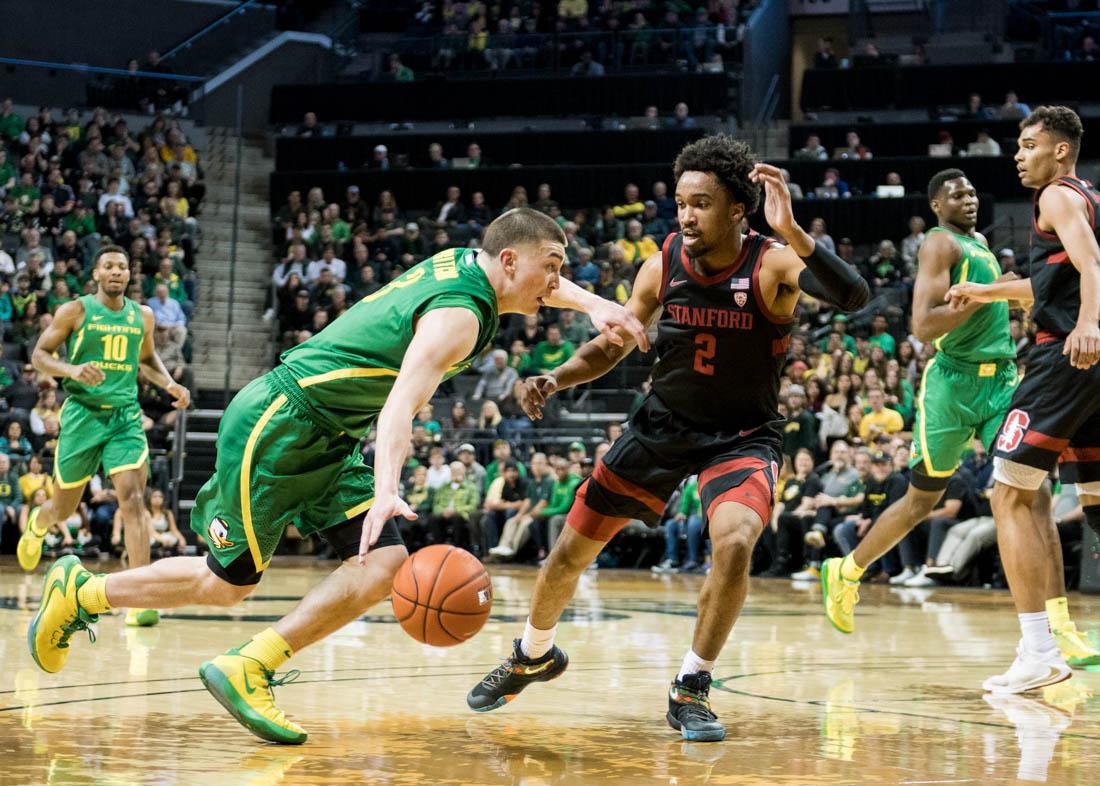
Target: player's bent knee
(572,553)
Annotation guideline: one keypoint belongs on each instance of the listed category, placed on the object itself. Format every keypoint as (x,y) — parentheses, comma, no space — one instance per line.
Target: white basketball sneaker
(1029,671)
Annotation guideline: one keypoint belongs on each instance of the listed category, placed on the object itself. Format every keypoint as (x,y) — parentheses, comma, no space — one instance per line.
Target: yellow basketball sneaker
(142,618)
(29,549)
(839,596)
(59,615)
(1076,649)
(243,686)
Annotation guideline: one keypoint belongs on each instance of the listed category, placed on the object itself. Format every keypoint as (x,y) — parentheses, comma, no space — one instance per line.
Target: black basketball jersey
(720,350)
(1054,280)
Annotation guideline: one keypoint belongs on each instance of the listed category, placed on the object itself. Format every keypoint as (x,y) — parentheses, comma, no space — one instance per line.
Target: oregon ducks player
(109,338)
(289,453)
(965,392)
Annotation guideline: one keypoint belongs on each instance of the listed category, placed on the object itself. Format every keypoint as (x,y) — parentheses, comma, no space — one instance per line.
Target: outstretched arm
(611,319)
(443,337)
(932,317)
(153,367)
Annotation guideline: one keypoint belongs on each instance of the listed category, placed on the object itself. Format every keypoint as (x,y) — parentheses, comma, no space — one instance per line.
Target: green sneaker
(839,596)
(59,615)
(243,686)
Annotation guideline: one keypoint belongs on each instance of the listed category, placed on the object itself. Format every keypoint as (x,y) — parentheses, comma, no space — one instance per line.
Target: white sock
(693,663)
(1036,629)
(536,643)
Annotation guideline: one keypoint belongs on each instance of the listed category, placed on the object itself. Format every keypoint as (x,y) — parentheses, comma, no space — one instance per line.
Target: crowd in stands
(71,183)
(588,38)
(848,393)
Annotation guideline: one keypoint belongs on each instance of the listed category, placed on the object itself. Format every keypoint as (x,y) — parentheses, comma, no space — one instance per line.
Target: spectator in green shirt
(880,338)
(452,505)
(26,193)
(518,528)
(687,521)
(80,221)
(431,425)
(561,500)
(11,124)
(552,352)
(502,453)
(840,325)
(520,358)
(7,171)
(11,496)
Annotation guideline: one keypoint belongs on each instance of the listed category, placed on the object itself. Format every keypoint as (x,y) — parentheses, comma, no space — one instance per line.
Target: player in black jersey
(726,302)
(1055,412)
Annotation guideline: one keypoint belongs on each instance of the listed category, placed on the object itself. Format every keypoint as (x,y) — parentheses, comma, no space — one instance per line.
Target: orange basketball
(442,595)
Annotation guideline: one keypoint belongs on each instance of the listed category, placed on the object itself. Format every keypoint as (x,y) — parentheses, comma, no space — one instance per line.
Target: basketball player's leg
(625,485)
(736,492)
(78,455)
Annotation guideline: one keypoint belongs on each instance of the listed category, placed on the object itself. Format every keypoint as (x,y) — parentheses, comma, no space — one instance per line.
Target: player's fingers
(636,329)
(408,512)
(375,531)
(612,336)
(364,542)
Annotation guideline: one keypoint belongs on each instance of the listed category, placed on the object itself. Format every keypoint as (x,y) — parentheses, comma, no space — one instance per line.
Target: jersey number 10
(114,347)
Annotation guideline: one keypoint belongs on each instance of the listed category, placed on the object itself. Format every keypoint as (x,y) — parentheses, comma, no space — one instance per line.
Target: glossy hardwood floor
(898,702)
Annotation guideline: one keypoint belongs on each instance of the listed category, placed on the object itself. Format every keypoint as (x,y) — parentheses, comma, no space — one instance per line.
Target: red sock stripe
(625,488)
(1045,441)
(591,524)
(726,467)
(755,494)
(1081,454)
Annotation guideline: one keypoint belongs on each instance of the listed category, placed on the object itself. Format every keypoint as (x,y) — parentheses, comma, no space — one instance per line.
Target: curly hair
(728,159)
(1058,121)
(940,179)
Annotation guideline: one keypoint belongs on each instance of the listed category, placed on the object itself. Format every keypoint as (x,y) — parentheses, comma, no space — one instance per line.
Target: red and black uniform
(1055,412)
(713,409)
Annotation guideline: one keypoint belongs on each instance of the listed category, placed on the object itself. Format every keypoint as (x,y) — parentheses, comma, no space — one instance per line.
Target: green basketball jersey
(984,336)
(112,341)
(347,370)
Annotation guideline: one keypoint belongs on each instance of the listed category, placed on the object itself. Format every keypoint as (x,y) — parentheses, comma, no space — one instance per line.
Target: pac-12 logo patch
(1013,430)
(219,534)
(740,298)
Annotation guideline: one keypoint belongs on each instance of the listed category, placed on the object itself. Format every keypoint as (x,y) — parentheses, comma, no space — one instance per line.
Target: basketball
(442,595)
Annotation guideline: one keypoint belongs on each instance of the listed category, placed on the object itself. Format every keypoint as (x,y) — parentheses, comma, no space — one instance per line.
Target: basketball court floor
(898,702)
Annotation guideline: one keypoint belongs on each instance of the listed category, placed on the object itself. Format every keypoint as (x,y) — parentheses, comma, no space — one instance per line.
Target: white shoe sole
(1054,675)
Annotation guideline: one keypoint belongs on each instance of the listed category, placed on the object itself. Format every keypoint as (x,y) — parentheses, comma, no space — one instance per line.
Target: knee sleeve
(1092,518)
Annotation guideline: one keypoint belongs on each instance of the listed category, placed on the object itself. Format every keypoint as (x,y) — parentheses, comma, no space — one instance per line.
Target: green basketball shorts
(111,437)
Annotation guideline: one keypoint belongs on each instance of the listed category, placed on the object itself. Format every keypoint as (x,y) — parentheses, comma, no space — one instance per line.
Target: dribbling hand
(88,373)
(385,507)
(1083,346)
(181,395)
(535,392)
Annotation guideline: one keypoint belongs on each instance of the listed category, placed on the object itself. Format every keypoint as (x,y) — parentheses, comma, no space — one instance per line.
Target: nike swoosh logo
(539,669)
(677,283)
(96,319)
(247,686)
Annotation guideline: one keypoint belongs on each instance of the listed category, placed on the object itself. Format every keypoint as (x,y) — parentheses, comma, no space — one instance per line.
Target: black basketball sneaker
(689,709)
(504,683)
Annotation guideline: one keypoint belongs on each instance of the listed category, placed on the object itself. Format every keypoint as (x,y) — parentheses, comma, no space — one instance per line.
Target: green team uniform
(968,385)
(288,444)
(101,424)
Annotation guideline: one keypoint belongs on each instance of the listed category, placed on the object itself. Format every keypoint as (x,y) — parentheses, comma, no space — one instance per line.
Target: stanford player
(727,303)
(1055,412)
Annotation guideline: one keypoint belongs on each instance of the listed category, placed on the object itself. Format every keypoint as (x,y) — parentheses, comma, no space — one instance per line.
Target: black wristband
(828,277)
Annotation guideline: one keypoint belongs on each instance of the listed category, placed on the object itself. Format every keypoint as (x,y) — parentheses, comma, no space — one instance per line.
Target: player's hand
(607,315)
(777,198)
(181,395)
(1083,346)
(88,373)
(535,392)
(385,507)
(962,295)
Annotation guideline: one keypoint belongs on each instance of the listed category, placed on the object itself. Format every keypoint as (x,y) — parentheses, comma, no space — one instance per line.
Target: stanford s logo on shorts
(1013,430)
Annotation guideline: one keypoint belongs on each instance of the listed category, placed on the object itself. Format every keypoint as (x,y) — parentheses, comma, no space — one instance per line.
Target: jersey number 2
(707,345)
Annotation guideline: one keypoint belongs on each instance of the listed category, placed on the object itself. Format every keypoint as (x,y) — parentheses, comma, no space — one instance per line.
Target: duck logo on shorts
(219,534)
(1013,430)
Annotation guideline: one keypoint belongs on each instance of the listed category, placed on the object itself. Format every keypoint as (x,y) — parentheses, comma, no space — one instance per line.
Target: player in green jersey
(109,338)
(966,391)
(289,453)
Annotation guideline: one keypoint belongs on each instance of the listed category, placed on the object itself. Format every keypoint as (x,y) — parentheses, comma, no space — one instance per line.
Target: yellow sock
(1057,611)
(268,647)
(849,570)
(92,595)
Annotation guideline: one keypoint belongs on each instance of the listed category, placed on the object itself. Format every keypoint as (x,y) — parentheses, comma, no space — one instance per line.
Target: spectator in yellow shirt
(571,9)
(637,248)
(879,420)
